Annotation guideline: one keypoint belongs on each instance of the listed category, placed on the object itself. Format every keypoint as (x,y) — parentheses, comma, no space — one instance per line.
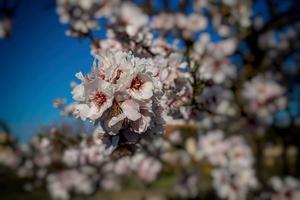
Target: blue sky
(36,65)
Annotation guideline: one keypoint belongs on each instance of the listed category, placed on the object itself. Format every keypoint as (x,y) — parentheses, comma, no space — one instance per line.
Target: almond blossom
(120,92)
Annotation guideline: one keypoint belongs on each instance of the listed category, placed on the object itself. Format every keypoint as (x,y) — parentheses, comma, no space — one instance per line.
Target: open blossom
(119,92)
(264,96)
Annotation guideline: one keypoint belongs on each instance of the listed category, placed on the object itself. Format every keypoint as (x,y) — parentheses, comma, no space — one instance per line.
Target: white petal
(78,93)
(80,76)
(96,112)
(116,119)
(145,92)
(131,110)
(82,110)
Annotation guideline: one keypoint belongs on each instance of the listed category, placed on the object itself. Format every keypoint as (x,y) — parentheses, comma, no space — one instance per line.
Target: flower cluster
(121,93)
(232,160)
(82,15)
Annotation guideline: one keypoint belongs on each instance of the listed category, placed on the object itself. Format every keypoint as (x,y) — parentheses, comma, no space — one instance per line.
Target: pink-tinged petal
(116,119)
(144,93)
(96,112)
(163,74)
(131,110)
(147,90)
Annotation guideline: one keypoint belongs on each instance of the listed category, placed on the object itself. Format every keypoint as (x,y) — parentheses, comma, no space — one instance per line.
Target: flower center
(217,65)
(99,98)
(136,83)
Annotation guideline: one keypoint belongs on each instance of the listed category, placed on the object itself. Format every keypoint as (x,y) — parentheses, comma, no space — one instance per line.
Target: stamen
(99,98)
(136,83)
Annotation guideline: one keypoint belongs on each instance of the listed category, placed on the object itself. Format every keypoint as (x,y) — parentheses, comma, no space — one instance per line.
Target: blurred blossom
(264,96)
(187,185)
(216,66)
(233,175)
(59,103)
(82,15)
(5,27)
(60,185)
(287,188)
(148,169)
